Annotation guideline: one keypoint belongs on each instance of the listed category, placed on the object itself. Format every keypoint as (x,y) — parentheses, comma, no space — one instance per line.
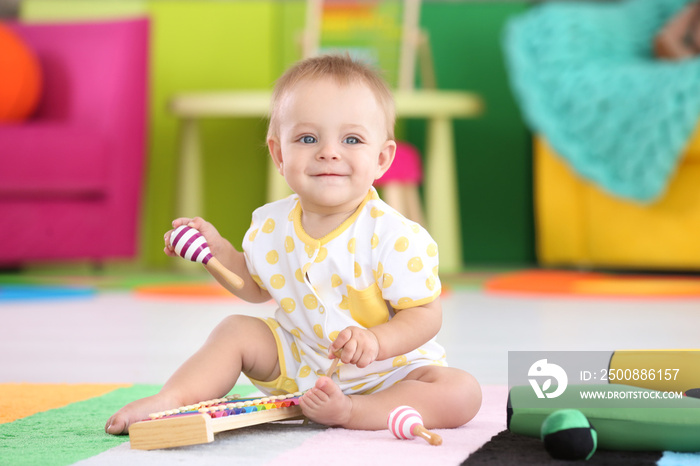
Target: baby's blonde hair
(343,70)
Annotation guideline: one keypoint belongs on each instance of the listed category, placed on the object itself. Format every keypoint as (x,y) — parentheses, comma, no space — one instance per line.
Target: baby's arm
(407,330)
(224,251)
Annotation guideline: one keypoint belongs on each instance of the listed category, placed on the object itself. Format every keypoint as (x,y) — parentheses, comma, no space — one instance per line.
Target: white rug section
(251,446)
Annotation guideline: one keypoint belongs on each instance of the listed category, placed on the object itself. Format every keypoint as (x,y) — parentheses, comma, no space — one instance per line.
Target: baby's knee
(241,326)
(468,398)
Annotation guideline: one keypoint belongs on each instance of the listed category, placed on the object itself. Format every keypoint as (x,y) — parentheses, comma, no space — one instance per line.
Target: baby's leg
(238,344)
(445,397)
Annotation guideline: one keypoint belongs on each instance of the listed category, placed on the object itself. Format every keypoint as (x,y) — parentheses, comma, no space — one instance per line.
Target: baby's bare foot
(326,404)
(136,411)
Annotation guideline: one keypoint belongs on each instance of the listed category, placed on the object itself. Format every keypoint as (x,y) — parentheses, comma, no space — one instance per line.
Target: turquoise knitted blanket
(585,77)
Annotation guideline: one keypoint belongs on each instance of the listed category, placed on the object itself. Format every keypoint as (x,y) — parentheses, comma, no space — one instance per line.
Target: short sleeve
(248,245)
(407,269)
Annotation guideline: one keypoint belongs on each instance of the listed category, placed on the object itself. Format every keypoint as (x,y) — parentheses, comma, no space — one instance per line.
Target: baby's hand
(360,346)
(214,239)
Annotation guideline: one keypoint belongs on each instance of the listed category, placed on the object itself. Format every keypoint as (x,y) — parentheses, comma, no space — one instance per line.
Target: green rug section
(75,432)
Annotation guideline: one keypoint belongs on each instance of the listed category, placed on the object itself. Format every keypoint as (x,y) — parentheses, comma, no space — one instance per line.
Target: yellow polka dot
(430,283)
(305,269)
(310,301)
(309,250)
(322,254)
(333,335)
(374,241)
(376,212)
(277,281)
(257,280)
(404,301)
(357,387)
(351,246)
(318,330)
(399,361)
(295,352)
(269,226)
(344,304)
(304,371)
(358,270)
(299,276)
(379,272)
(388,280)
(289,244)
(432,250)
(251,236)
(435,270)
(415,264)
(422,351)
(322,348)
(296,332)
(336,280)
(288,304)
(415,228)
(401,244)
(272,257)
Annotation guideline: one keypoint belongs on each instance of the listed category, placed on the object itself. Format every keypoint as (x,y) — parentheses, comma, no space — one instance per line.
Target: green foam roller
(625,417)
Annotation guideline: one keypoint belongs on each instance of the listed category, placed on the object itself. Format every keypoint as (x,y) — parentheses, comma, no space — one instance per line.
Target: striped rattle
(406,423)
(189,244)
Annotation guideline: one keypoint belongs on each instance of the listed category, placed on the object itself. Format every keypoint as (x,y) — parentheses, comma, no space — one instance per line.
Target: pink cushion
(52,160)
(407,167)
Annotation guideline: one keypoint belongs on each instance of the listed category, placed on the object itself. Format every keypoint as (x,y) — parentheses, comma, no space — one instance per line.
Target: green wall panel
(494,154)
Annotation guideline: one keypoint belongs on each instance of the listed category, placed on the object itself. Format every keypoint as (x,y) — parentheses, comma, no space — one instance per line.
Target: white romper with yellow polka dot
(344,279)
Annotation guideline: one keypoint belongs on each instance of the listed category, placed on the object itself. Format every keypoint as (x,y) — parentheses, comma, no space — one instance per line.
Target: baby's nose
(329,152)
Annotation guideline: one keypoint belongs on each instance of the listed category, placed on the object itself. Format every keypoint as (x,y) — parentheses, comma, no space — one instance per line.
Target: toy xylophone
(196,424)
(190,244)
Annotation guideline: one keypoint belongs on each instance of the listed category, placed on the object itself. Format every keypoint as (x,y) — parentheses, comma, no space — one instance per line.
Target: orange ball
(21,77)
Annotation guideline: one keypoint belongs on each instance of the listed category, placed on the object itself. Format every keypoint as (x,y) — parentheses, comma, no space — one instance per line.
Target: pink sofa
(71,176)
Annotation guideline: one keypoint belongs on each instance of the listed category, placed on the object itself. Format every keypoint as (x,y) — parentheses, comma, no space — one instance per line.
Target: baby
(350,275)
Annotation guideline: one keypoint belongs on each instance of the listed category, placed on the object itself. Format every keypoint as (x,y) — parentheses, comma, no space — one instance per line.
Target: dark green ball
(567,435)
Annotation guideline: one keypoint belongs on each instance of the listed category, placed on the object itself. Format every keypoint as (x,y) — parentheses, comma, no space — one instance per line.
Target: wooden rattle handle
(230,277)
(430,437)
(334,364)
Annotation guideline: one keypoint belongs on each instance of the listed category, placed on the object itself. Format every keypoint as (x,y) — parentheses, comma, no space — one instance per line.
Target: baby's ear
(273,144)
(386,157)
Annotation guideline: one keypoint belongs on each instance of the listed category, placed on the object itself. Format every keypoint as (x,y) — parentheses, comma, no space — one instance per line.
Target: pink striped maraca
(190,244)
(405,423)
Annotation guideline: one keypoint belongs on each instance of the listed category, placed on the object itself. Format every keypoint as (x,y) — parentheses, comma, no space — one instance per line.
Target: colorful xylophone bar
(196,424)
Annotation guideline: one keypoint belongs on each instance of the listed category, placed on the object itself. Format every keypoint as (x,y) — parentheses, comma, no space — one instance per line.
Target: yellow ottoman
(579,225)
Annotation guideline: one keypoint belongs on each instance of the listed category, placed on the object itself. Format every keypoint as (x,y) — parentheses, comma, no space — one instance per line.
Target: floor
(119,337)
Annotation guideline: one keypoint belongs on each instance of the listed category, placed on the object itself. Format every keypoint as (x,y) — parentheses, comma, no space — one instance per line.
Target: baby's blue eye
(351,140)
(308,139)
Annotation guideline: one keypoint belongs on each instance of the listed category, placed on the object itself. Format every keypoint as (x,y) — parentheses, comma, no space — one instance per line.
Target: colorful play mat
(594,284)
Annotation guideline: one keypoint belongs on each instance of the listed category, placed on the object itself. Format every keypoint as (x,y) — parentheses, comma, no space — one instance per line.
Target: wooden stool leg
(414,209)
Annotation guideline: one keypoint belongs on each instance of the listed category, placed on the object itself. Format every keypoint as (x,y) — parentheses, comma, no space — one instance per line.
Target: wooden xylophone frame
(194,425)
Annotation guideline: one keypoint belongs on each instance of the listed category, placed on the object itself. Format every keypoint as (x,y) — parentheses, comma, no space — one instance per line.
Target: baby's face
(332,144)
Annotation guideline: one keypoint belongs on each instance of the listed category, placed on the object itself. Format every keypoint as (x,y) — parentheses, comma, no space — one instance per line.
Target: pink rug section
(364,447)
